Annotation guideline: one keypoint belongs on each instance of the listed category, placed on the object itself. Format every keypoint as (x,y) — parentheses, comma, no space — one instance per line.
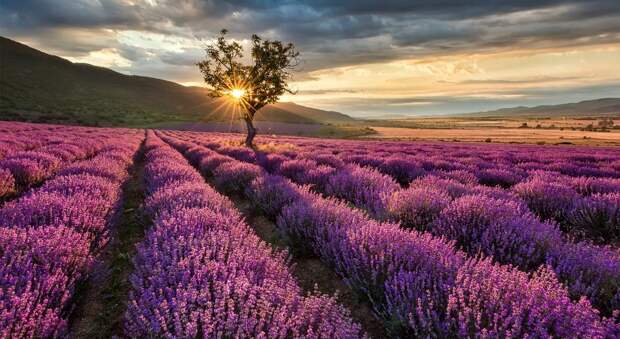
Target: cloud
(78,13)
(188,57)
(326,91)
(162,39)
(531,80)
(450,104)
(335,33)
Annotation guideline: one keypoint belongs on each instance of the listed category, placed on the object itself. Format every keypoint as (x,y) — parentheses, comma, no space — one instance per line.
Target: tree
(251,86)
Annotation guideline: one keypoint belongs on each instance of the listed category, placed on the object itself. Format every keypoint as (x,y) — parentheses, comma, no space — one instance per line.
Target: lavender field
(161,233)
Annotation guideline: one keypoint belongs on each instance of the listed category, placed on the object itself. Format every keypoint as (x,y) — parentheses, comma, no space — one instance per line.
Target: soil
(102,299)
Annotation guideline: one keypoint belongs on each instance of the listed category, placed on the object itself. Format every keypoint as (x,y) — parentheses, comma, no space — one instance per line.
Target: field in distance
(578,131)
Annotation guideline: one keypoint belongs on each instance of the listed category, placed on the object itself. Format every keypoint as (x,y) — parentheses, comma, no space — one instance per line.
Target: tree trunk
(251,131)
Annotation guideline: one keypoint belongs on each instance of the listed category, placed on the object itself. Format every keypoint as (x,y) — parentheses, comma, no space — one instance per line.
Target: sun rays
(237,93)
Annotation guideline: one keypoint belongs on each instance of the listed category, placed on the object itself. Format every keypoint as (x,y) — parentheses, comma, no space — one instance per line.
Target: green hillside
(38,87)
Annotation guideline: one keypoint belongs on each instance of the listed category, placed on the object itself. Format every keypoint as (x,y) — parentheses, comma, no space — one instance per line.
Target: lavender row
(23,169)
(49,240)
(577,189)
(419,284)
(494,165)
(20,170)
(18,136)
(201,271)
(587,207)
(479,219)
(515,159)
(564,191)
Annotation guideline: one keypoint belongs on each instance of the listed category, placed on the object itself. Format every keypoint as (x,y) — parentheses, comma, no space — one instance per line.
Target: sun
(237,93)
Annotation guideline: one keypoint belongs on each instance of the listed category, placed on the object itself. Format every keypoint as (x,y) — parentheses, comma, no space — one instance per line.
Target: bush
(271,193)
(492,301)
(597,216)
(549,200)
(499,177)
(234,177)
(402,170)
(417,207)
(498,228)
(363,187)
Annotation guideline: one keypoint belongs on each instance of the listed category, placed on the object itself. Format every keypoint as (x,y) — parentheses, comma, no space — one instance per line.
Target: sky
(365,57)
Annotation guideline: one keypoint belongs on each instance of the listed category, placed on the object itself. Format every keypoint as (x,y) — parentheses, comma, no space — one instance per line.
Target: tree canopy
(252,85)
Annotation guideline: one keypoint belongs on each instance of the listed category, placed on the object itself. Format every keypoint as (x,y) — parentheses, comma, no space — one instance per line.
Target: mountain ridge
(601,106)
(41,87)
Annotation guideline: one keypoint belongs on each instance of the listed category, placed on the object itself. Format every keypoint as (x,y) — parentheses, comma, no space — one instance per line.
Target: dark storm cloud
(330,33)
(131,53)
(188,57)
(303,19)
(79,13)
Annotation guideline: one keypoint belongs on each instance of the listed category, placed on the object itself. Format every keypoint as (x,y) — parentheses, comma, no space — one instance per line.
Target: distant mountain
(598,107)
(388,116)
(308,112)
(35,86)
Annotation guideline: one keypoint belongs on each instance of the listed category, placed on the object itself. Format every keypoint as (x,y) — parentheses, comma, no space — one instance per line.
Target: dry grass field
(582,131)
(505,135)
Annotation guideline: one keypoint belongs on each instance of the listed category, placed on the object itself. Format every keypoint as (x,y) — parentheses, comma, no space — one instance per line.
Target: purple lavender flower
(498,228)
(417,207)
(549,200)
(402,170)
(235,176)
(363,187)
(499,301)
(499,177)
(597,216)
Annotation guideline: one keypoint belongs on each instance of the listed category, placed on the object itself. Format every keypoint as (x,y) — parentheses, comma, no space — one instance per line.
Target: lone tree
(252,86)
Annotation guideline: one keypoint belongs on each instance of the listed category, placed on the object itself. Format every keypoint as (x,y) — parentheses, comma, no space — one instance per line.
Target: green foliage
(264,80)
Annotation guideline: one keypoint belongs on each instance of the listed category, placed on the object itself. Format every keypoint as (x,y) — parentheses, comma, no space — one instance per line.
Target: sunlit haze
(237,93)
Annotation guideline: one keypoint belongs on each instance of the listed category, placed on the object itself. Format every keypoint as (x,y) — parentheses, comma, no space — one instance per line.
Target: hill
(39,87)
(588,108)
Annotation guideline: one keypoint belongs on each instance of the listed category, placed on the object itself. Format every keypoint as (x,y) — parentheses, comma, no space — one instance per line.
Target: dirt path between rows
(311,274)
(102,300)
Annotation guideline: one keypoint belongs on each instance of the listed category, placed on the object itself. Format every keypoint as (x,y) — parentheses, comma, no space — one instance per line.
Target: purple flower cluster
(405,275)
(49,239)
(499,177)
(417,207)
(325,159)
(365,188)
(201,271)
(271,193)
(498,228)
(20,170)
(597,216)
(402,170)
(508,303)
(549,200)
(234,177)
